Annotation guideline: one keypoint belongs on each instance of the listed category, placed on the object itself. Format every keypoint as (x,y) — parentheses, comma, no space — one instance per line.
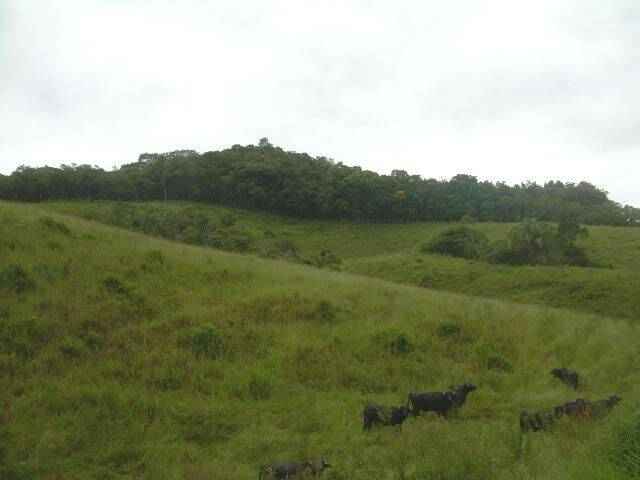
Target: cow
(460,393)
(287,470)
(439,402)
(577,409)
(568,377)
(586,409)
(375,414)
(541,420)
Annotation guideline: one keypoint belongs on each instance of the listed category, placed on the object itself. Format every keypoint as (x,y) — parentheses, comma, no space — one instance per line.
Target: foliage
(14,278)
(206,341)
(538,243)
(460,241)
(326,258)
(394,339)
(265,177)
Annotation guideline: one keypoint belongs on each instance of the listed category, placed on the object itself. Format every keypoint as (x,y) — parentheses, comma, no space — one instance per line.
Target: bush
(539,243)
(55,226)
(449,330)
(277,248)
(323,311)
(326,258)
(14,278)
(114,285)
(168,376)
(72,347)
(259,386)
(207,342)
(459,241)
(395,340)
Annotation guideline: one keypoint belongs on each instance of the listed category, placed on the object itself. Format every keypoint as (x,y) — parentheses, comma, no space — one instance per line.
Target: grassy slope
(96,384)
(390,251)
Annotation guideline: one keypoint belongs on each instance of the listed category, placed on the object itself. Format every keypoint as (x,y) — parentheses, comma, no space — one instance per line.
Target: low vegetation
(133,357)
(391,251)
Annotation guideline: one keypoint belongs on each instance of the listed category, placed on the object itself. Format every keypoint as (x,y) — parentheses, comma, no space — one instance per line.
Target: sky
(501,89)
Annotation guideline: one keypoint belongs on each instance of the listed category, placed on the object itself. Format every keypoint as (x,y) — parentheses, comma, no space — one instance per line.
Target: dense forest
(265,177)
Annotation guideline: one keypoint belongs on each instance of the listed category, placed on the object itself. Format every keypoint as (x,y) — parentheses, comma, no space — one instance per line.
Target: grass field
(391,251)
(126,356)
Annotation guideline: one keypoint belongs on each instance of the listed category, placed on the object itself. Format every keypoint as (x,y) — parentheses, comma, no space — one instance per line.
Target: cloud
(495,88)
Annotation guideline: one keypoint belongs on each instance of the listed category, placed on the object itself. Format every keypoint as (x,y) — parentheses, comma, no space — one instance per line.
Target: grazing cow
(576,409)
(567,376)
(536,421)
(375,414)
(598,407)
(460,393)
(439,402)
(287,470)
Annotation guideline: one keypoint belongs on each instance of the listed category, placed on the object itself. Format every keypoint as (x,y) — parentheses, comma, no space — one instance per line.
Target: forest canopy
(265,177)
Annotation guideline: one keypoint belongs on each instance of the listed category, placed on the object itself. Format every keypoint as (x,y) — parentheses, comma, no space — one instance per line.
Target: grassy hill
(126,356)
(391,251)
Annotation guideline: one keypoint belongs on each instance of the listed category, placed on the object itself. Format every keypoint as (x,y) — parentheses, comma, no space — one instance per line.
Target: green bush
(168,376)
(449,330)
(72,347)
(114,285)
(326,258)
(14,278)
(55,226)
(323,311)
(395,340)
(259,386)
(460,241)
(207,342)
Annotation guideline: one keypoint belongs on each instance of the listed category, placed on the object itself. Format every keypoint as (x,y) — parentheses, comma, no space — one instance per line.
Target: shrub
(460,241)
(114,285)
(277,248)
(72,347)
(14,278)
(539,243)
(449,330)
(326,258)
(323,311)
(395,340)
(259,386)
(168,376)
(55,226)
(207,342)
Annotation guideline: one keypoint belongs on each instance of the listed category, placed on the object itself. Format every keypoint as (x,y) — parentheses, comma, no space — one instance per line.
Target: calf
(439,402)
(287,470)
(460,393)
(375,414)
(567,376)
(537,421)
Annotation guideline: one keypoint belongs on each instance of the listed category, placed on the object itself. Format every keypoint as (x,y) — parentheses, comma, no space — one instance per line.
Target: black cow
(375,414)
(567,376)
(537,421)
(460,393)
(439,402)
(576,409)
(287,470)
(582,408)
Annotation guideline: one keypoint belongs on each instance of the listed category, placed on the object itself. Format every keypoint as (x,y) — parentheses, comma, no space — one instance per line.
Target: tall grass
(133,357)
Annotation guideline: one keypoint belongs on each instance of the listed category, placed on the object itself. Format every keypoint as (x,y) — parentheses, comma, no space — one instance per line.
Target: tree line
(265,177)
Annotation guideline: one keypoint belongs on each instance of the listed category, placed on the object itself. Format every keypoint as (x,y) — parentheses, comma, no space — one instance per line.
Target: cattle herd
(441,402)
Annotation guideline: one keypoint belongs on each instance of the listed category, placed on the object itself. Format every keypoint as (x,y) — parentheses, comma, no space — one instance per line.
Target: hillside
(391,251)
(126,356)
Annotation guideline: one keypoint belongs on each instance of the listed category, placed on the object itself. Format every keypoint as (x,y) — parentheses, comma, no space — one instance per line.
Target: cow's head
(556,372)
(402,412)
(613,399)
(469,387)
(325,464)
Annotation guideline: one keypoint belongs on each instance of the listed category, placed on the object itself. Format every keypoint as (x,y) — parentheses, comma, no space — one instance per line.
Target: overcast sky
(501,89)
